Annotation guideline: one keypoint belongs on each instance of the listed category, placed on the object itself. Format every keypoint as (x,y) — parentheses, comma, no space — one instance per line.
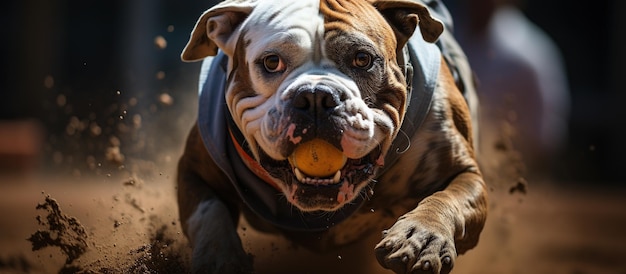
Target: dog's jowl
(333,108)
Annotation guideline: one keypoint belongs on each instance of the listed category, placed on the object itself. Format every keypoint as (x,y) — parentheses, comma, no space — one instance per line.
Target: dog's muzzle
(317,175)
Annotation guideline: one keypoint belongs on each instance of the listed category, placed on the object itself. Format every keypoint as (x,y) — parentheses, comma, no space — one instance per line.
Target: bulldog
(329,120)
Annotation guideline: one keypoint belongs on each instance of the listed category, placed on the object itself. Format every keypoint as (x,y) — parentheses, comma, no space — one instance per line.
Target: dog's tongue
(318,158)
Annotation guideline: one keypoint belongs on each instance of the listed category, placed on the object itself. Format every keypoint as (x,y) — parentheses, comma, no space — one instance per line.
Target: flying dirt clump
(60,230)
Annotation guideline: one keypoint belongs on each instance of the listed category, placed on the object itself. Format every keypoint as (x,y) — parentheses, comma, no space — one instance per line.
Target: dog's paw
(223,263)
(222,255)
(216,245)
(411,246)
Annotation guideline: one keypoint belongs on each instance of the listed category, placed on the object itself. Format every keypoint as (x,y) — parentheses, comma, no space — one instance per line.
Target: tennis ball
(318,158)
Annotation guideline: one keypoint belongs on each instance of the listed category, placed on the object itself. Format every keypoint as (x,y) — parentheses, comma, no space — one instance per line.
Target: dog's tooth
(337,177)
(299,175)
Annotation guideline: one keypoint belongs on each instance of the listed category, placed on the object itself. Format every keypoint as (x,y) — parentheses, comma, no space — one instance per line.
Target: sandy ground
(123,218)
(131,225)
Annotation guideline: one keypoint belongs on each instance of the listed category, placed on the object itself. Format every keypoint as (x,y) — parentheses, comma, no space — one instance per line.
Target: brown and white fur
(430,205)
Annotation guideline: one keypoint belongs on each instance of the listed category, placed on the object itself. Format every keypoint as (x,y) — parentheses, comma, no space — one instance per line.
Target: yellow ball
(318,158)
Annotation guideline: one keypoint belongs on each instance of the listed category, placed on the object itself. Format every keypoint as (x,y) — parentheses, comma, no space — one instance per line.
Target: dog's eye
(273,63)
(362,60)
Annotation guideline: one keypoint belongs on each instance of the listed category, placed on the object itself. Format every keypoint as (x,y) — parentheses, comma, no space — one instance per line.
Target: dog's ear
(217,27)
(405,15)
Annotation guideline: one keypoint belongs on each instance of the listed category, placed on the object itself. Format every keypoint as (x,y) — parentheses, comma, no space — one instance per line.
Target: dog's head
(310,79)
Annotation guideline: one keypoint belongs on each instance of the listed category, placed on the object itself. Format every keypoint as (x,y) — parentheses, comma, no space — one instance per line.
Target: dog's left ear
(405,15)
(217,28)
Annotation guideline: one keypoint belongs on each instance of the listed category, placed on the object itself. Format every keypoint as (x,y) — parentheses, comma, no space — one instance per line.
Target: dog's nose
(316,100)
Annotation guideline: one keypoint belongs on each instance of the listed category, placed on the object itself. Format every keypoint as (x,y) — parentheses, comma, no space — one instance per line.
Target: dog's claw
(405,259)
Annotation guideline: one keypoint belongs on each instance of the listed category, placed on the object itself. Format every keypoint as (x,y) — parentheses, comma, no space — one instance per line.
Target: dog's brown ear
(216,28)
(405,15)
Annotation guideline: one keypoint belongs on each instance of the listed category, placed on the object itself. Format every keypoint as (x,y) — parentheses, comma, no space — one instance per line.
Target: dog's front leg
(208,222)
(214,240)
(428,238)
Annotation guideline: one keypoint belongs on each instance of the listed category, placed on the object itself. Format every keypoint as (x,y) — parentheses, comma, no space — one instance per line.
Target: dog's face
(314,70)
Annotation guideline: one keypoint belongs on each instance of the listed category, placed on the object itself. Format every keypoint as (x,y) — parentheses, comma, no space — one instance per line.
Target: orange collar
(252,164)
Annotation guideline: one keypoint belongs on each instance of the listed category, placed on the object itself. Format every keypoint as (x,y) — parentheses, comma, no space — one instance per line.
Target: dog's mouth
(352,171)
(318,176)
(317,163)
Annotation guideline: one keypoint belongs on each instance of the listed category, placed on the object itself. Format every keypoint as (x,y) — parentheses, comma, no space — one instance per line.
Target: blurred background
(92,84)
(94,95)
(552,71)
(87,83)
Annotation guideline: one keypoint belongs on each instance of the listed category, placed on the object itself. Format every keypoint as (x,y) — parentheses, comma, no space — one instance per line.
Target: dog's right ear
(218,27)
(405,15)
